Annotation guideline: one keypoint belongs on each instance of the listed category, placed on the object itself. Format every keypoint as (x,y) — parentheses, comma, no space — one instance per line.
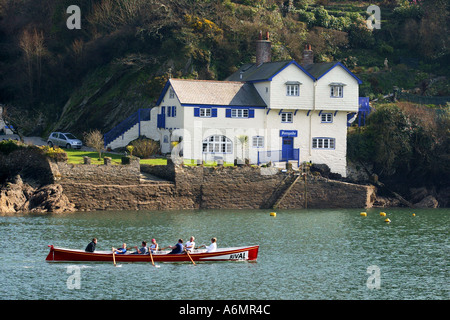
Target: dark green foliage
(94,77)
(405,143)
(8,146)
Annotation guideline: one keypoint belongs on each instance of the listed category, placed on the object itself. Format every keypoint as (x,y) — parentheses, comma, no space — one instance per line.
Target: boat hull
(224,254)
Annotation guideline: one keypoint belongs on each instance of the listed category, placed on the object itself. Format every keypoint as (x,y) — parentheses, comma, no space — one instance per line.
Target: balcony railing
(127,124)
(278,156)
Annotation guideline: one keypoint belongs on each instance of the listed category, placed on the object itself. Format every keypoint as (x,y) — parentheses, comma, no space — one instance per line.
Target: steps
(281,191)
(146,178)
(285,192)
(126,125)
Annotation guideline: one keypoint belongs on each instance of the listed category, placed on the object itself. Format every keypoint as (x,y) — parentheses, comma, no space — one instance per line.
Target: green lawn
(76,157)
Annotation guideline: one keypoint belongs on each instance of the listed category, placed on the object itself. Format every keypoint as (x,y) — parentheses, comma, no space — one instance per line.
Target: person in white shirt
(212,247)
(190,245)
(154,246)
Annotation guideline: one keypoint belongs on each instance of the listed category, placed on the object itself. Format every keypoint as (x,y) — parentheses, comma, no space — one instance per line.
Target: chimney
(263,49)
(308,55)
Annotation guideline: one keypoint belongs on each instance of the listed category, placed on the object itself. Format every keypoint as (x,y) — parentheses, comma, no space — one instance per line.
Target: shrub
(8,146)
(144,147)
(54,153)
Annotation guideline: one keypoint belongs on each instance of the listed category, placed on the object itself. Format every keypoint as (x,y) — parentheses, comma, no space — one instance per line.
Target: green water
(304,254)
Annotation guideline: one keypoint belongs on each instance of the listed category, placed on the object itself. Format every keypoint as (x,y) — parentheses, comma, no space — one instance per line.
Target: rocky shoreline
(32,183)
(19,197)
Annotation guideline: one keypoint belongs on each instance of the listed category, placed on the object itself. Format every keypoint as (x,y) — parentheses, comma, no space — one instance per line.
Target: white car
(64,140)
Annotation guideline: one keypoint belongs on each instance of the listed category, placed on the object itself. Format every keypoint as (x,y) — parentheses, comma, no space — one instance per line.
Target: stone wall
(101,187)
(247,188)
(90,197)
(118,187)
(320,193)
(96,174)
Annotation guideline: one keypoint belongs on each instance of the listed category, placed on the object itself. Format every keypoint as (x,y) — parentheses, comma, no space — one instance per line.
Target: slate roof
(208,92)
(266,71)
(253,72)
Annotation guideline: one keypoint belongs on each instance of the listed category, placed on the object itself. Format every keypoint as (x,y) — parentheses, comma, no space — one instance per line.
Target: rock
(418,194)
(49,198)
(443,197)
(427,202)
(385,202)
(20,197)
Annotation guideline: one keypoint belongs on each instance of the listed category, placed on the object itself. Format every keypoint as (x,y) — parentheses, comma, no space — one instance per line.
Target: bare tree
(32,44)
(94,139)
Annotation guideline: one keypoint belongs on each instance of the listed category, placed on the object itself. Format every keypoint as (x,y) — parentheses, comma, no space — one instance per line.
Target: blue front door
(287,151)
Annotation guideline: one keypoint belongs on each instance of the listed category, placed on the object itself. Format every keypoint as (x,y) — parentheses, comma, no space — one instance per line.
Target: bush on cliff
(8,146)
(54,153)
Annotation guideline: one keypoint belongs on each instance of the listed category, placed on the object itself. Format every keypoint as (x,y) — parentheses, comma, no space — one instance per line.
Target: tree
(243,139)
(94,139)
(32,44)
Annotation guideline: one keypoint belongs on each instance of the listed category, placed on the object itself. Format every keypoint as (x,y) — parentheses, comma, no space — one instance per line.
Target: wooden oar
(151,257)
(187,251)
(114,257)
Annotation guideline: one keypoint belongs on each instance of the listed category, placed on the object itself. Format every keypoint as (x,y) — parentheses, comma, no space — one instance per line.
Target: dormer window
(336,90)
(293,88)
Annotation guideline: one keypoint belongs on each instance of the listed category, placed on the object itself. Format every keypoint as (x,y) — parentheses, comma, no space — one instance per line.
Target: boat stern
(253,253)
(51,256)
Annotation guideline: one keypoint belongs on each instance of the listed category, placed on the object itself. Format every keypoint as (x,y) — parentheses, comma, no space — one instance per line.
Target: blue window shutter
(228,113)
(214,112)
(196,112)
(174,111)
(251,113)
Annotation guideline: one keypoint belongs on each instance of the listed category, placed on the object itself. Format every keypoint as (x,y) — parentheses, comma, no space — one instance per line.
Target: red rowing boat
(221,254)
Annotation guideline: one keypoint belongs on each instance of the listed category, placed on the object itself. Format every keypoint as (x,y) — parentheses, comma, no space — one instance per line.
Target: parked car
(65,140)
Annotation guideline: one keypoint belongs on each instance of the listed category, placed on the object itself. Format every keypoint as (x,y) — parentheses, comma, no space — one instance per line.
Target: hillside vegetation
(54,78)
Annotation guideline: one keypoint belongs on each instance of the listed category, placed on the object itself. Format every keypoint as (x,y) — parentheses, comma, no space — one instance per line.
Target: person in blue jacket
(178,248)
(121,250)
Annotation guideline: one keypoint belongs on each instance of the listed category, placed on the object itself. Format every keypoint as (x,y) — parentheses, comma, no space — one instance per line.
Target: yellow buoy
(387,220)
(273,214)
(383,214)
(414,214)
(363,214)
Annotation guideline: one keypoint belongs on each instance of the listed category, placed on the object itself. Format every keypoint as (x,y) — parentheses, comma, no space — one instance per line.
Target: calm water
(304,254)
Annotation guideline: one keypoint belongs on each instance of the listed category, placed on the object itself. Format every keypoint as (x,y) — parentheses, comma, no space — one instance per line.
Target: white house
(288,112)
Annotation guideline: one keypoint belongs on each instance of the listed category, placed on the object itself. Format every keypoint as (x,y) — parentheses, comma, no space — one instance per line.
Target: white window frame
(337,91)
(258,142)
(293,90)
(324,143)
(239,113)
(205,112)
(326,118)
(287,117)
(217,144)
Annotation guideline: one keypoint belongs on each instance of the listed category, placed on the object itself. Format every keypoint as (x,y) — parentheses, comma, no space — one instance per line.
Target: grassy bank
(76,157)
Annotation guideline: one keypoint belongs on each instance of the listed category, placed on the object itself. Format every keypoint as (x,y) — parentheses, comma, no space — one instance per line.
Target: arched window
(217,144)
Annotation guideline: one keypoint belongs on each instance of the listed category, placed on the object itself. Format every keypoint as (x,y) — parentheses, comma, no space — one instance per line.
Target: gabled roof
(252,72)
(318,70)
(266,71)
(209,92)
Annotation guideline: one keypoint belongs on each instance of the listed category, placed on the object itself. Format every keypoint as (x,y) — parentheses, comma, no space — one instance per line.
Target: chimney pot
(263,49)
(308,55)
